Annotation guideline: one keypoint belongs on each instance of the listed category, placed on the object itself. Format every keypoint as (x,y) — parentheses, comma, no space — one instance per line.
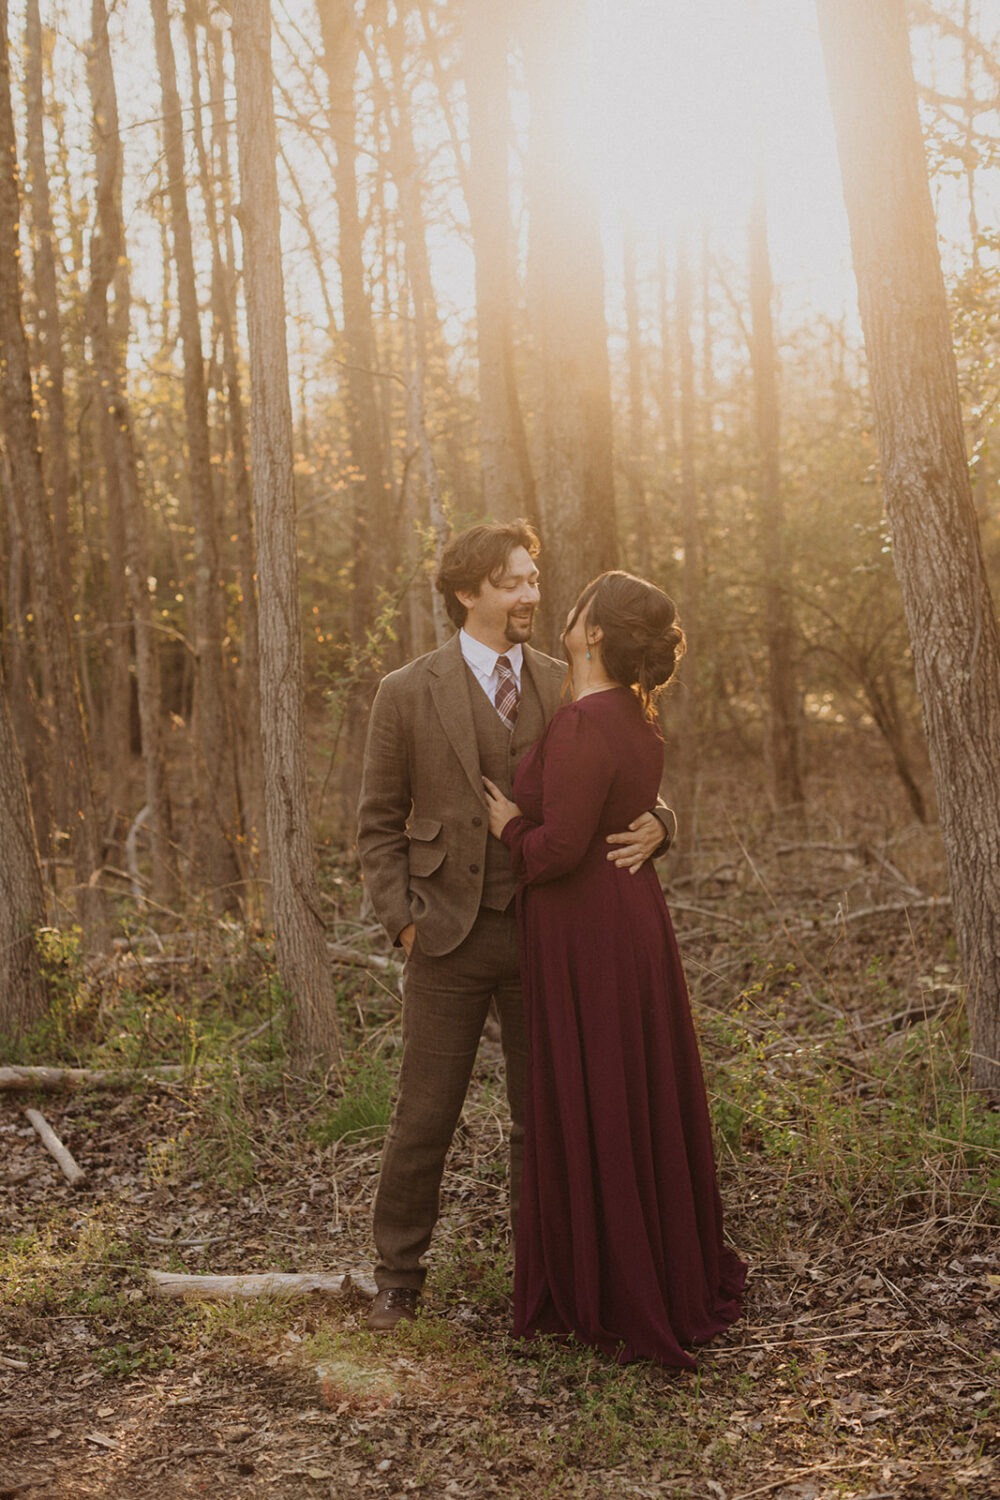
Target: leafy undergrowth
(860,1179)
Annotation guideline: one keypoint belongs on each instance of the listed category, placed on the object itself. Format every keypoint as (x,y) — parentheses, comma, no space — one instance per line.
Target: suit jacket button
(477,822)
(473,869)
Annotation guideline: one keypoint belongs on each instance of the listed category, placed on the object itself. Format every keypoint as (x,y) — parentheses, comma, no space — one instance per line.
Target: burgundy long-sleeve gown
(619,1239)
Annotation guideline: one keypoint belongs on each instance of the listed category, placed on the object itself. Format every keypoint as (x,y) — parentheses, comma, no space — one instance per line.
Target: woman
(619,1239)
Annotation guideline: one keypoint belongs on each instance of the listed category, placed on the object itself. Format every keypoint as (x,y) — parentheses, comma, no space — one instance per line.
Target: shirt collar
(484,658)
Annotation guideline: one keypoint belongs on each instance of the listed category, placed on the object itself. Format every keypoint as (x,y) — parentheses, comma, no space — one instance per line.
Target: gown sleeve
(577,772)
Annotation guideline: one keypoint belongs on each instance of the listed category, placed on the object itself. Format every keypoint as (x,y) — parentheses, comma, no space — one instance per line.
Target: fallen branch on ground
(260,1284)
(66,1162)
(54,1079)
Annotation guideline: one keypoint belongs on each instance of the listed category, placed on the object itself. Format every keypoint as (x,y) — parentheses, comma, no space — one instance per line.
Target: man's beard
(519,630)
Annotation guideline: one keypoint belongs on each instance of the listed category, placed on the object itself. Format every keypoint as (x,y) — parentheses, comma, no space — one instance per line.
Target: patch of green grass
(243,1328)
(477,1268)
(889,1119)
(120,1361)
(74,1004)
(364,1109)
(58,1269)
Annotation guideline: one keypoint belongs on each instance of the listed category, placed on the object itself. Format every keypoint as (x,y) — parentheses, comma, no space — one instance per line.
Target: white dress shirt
(483,662)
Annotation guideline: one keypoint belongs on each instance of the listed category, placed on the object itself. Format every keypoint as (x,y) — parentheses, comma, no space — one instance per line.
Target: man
(442,887)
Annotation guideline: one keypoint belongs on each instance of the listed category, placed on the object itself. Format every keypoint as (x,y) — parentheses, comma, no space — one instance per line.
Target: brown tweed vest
(500,753)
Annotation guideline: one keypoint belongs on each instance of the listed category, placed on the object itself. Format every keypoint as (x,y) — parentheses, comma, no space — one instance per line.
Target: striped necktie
(507,693)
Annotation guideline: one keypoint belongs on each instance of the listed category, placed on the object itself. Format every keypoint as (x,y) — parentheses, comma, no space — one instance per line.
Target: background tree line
(344,287)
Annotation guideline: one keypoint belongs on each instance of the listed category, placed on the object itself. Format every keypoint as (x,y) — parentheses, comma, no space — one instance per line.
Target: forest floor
(860,1179)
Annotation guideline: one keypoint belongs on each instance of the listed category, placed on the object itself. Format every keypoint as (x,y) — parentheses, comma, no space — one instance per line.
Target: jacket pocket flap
(424,828)
(425,859)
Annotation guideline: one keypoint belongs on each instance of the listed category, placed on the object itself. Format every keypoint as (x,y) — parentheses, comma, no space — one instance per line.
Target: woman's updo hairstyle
(642,641)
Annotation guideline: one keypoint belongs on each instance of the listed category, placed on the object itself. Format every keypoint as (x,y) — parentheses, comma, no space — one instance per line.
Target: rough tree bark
(217,820)
(50,344)
(300,939)
(783,728)
(21,435)
(937,552)
(22,901)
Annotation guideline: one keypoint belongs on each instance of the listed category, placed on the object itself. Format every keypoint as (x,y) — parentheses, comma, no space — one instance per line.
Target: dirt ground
(867,1363)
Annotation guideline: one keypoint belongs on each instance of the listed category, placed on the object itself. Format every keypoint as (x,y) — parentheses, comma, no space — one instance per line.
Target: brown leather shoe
(391,1305)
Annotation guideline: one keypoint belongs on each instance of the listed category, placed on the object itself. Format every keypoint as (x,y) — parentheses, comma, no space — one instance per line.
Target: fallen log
(54,1079)
(256,1284)
(66,1162)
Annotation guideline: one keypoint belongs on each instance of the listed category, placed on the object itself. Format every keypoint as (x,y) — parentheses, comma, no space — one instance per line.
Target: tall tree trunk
(375,523)
(937,552)
(574,472)
(508,483)
(686,795)
(248,745)
(217,826)
(667,381)
(22,900)
(50,349)
(639,523)
(708,392)
(21,429)
(376,515)
(300,937)
(405,169)
(107,254)
(15,609)
(783,729)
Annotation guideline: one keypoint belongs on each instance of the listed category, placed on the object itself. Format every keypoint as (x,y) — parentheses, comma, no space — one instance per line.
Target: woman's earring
(588,655)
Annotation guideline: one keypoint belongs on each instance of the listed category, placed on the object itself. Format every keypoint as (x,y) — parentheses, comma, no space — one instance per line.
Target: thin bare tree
(217,819)
(128,516)
(783,711)
(52,386)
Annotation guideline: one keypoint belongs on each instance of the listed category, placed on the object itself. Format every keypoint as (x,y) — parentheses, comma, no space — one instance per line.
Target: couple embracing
(505,842)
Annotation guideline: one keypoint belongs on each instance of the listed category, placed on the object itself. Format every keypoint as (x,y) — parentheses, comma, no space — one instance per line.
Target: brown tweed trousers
(423,839)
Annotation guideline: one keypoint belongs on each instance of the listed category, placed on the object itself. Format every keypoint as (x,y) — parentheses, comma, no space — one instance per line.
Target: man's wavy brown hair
(477,554)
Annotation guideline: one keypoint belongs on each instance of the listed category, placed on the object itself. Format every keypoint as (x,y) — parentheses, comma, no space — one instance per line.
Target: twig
(249,1036)
(841,1338)
(196,1242)
(888,906)
(68,1166)
(342,955)
(714,916)
(834,1464)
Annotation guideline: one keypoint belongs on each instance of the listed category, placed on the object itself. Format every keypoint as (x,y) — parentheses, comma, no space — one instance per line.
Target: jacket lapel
(548,676)
(450,694)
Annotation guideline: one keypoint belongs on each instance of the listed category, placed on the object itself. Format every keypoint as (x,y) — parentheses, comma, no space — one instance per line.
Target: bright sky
(680,84)
(674,86)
